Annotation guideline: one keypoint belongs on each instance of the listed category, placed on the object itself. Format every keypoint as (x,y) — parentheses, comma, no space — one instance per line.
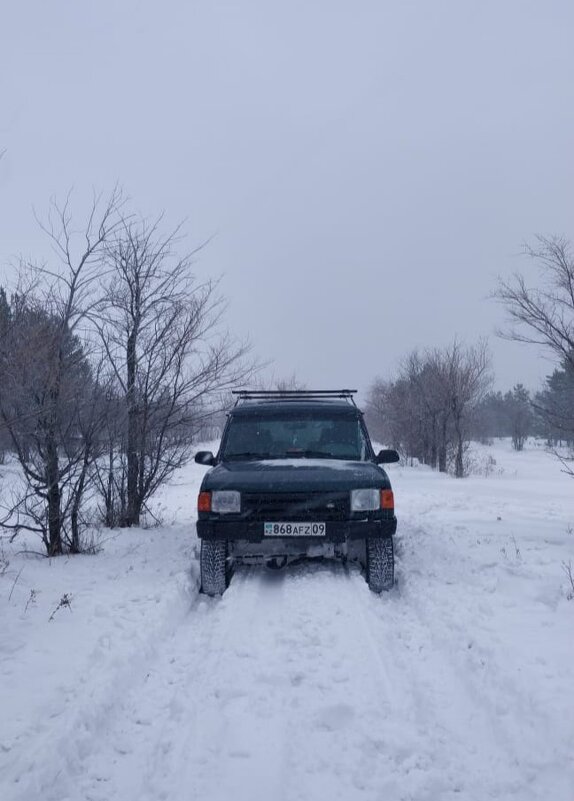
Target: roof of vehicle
(254,408)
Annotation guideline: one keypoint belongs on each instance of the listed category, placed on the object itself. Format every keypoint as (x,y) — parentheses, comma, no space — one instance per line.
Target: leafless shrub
(569,571)
(65,602)
(481,465)
(31,600)
(567,462)
(14,583)
(513,552)
(91,542)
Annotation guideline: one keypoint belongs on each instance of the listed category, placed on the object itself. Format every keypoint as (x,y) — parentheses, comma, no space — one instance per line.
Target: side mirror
(205,457)
(387,457)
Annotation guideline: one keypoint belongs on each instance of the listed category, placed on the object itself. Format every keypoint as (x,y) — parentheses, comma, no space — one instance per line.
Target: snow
(301,684)
(331,464)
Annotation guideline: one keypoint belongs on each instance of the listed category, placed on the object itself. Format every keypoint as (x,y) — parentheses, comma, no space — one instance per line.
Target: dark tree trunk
(109,491)
(458,463)
(75,543)
(442,446)
(434,446)
(53,498)
(132,517)
(78,497)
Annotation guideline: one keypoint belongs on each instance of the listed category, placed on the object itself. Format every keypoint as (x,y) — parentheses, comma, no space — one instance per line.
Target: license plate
(295,529)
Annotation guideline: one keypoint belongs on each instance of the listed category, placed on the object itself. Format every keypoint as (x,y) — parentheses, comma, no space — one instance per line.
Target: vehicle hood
(295,475)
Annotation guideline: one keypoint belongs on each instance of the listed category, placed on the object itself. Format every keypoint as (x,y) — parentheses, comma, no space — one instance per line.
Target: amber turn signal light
(204,502)
(387,499)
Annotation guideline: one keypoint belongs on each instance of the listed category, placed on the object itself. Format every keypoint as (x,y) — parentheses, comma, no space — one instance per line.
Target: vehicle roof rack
(275,395)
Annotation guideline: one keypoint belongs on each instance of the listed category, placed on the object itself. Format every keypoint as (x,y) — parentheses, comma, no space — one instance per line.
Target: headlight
(365,500)
(225,501)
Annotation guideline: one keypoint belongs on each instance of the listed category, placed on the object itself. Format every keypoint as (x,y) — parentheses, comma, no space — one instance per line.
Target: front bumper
(336,531)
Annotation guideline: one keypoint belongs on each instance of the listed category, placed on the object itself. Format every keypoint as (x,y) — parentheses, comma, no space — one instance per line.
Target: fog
(362,171)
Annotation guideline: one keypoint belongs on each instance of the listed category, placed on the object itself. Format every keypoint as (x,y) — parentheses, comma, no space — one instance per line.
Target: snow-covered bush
(481,464)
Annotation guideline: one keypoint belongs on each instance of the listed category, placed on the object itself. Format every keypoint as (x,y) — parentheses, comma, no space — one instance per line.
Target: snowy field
(301,685)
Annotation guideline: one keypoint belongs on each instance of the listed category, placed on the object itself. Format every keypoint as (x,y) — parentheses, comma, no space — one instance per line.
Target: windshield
(303,436)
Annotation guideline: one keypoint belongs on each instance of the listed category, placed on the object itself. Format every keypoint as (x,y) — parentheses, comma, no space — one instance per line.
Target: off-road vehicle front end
(295,476)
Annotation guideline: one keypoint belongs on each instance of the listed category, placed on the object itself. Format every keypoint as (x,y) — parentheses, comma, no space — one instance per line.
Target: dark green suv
(295,476)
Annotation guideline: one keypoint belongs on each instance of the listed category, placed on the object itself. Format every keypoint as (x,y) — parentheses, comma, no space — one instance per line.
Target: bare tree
(48,386)
(468,375)
(427,375)
(398,415)
(543,316)
(520,415)
(289,383)
(377,413)
(272,382)
(427,410)
(159,327)
(5,320)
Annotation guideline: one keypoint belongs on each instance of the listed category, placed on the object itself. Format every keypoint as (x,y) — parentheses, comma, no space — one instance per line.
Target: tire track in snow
(309,706)
(52,763)
(144,741)
(273,710)
(215,699)
(270,692)
(521,756)
(453,753)
(302,685)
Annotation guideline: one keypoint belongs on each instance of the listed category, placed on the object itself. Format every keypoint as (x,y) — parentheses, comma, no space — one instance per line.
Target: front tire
(213,567)
(380,564)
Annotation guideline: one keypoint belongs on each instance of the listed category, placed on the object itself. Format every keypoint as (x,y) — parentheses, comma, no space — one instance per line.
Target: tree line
(112,358)
(423,414)
(519,413)
(442,398)
(426,411)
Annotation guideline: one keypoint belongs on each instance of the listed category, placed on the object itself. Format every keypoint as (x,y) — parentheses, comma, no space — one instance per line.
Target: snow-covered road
(301,684)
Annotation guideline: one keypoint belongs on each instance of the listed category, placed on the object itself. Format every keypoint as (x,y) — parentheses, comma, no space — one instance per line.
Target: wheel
(380,564)
(213,566)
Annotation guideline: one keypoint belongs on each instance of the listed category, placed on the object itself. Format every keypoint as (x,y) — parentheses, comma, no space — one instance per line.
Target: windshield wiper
(307,455)
(245,455)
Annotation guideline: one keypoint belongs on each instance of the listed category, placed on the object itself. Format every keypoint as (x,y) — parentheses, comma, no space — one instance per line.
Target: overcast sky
(366,168)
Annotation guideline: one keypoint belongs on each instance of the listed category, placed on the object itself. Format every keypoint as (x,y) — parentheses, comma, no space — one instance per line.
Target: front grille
(288,506)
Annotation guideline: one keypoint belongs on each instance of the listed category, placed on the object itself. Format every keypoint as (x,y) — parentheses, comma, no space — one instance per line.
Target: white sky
(367,167)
